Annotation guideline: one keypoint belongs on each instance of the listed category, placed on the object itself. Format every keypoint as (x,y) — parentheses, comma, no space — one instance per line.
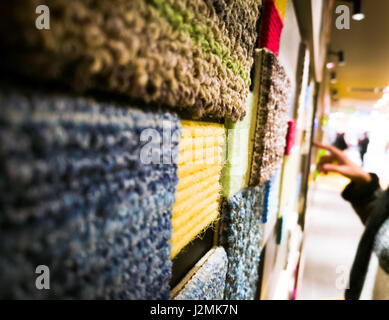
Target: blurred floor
(332,232)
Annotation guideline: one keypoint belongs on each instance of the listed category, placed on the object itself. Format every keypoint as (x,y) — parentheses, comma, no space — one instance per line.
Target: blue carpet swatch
(272,196)
(75,196)
(240,235)
(208,282)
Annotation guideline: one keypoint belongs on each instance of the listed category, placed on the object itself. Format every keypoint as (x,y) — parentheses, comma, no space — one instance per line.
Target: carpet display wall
(240,235)
(271,119)
(200,163)
(207,279)
(77,196)
(191,55)
(271,27)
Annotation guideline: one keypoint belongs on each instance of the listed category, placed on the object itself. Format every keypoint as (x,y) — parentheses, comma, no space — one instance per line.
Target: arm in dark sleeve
(362,197)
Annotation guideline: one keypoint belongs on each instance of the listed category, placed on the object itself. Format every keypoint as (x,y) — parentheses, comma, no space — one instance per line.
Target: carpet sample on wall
(271,27)
(289,181)
(272,196)
(271,119)
(77,196)
(240,235)
(302,89)
(290,136)
(192,55)
(281,7)
(206,280)
(235,173)
(200,163)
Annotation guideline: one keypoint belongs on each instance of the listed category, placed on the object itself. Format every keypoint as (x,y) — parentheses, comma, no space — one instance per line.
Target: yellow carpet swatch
(281,6)
(198,192)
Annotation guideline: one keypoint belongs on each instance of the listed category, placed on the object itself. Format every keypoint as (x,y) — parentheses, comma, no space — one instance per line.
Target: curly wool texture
(75,196)
(272,119)
(209,278)
(193,55)
(200,163)
(240,235)
(381,246)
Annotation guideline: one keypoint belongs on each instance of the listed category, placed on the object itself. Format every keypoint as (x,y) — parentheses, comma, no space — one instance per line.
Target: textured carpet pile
(200,163)
(240,235)
(193,54)
(207,279)
(75,196)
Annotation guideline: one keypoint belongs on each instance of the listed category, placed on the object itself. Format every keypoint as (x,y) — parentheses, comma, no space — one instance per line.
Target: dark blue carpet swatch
(240,234)
(74,196)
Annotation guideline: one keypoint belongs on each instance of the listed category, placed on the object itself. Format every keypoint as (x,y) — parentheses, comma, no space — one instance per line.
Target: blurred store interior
(358,102)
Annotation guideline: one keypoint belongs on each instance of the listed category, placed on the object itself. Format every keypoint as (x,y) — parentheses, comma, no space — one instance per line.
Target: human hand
(337,161)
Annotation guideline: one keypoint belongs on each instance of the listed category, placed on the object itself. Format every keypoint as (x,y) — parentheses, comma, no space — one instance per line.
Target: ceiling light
(358,15)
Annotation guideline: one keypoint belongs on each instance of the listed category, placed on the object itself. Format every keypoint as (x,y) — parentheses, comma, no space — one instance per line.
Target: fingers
(335,151)
(329,167)
(327,159)
(332,149)
(324,160)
